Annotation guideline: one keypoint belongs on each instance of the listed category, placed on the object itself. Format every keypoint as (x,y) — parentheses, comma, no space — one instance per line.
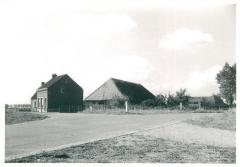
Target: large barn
(59,94)
(115,92)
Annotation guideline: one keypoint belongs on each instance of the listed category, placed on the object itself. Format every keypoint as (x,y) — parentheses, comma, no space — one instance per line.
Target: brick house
(59,94)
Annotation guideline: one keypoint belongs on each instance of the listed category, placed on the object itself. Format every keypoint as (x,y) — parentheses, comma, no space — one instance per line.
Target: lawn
(14,117)
(226,121)
(136,148)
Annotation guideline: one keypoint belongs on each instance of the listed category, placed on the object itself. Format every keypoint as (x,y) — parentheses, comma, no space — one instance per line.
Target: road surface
(67,129)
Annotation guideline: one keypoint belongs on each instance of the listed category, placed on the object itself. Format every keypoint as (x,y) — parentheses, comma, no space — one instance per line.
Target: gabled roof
(197,98)
(134,91)
(119,89)
(34,96)
(211,100)
(52,81)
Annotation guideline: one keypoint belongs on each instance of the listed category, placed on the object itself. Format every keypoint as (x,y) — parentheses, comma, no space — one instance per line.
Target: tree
(171,101)
(161,100)
(226,78)
(182,96)
(148,103)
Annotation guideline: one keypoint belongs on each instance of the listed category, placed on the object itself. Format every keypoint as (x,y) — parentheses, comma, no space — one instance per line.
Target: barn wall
(105,104)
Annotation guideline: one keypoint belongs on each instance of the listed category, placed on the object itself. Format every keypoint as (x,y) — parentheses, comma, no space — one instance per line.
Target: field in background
(14,117)
(226,121)
(152,111)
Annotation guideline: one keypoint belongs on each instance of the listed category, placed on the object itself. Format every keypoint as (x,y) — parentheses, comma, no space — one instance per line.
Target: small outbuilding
(59,94)
(206,102)
(115,92)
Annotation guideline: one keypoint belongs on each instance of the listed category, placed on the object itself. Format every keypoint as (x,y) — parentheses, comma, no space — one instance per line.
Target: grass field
(149,111)
(226,121)
(137,148)
(12,117)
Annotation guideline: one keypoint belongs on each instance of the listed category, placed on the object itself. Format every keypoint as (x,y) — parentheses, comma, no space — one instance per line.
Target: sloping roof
(211,100)
(195,99)
(52,81)
(135,92)
(119,89)
(34,96)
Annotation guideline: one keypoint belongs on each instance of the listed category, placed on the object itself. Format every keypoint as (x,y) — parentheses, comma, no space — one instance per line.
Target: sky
(163,47)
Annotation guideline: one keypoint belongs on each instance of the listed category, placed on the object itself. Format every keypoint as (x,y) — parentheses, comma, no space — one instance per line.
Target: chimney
(43,83)
(54,75)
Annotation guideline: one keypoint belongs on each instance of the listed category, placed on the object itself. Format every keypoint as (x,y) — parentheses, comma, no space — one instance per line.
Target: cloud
(83,45)
(184,38)
(78,26)
(202,80)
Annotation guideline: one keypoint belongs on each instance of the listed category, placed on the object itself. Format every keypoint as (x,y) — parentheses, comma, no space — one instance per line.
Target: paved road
(64,130)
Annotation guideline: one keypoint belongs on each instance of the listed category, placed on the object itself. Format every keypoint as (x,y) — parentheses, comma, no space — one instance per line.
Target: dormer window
(62,90)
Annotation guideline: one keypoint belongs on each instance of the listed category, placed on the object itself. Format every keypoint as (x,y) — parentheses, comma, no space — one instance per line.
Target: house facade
(59,94)
(115,92)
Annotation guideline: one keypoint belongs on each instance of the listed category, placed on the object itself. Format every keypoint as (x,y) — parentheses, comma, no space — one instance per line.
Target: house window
(35,104)
(41,102)
(61,90)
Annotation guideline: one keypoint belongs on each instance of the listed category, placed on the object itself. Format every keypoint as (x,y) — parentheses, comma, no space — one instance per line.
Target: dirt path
(188,133)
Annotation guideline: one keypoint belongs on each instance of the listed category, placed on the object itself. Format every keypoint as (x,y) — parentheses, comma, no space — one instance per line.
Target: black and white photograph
(118,82)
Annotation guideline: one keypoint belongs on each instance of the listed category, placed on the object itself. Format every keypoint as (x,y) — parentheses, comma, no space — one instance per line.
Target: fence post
(180,105)
(126,106)
(199,105)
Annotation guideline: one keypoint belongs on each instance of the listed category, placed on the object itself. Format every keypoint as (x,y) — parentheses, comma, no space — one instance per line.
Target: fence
(140,108)
(66,108)
(18,107)
(70,108)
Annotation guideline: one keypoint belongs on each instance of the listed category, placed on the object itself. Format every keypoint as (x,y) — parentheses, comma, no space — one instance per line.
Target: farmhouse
(59,94)
(115,92)
(206,102)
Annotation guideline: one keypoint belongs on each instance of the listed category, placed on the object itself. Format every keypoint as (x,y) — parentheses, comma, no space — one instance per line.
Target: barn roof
(52,81)
(212,100)
(119,89)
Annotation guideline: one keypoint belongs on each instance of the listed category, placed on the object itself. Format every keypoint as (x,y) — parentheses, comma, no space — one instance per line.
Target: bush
(148,103)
